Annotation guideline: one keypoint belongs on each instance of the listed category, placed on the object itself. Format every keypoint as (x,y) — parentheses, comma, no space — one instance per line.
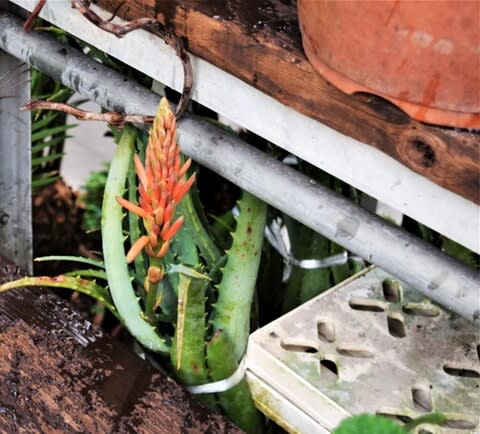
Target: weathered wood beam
(259,42)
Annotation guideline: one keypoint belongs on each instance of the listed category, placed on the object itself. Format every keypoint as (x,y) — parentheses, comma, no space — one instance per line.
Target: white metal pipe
(432,272)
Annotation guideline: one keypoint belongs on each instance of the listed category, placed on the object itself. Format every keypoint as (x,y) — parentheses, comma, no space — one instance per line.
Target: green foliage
(461,253)
(49,131)
(368,424)
(92,198)
(74,283)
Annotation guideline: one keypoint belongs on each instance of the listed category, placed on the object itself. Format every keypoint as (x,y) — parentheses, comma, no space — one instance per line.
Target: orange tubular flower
(162,186)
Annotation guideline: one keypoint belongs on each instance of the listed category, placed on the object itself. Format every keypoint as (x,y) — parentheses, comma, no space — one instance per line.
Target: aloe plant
(179,277)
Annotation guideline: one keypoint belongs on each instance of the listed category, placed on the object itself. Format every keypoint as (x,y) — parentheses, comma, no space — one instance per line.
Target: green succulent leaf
(81,259)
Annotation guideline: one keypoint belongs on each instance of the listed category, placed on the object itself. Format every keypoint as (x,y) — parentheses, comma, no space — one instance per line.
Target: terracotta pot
(424,56)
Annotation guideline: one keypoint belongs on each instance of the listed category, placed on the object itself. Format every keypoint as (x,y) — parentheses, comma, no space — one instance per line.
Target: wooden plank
(58,375)
(259,42)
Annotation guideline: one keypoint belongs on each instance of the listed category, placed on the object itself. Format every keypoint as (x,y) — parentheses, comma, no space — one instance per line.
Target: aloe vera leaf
(236,289)
(188,349)
(184,246)
(98,274)
(305,284)
(80,259)
(269,284)
(356,266)
(197,231)
(134,220)
(121,288)
(84,286)
(237,401)
(339,272)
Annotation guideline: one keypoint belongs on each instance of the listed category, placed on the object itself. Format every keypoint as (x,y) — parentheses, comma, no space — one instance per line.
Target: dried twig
(154,26)
(181,52)
(27,26)
(118,30)
(113,118)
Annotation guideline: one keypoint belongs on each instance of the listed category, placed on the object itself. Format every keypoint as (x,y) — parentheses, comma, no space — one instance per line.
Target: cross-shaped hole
(326,331)
(422,397)
(421,309)
(460,370)
(328,369)
(367,304)
(392,290)
(396,325)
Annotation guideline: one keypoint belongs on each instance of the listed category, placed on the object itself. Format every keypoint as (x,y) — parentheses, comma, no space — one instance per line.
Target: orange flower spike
(172,231)
(145,198)
(169,212)
(161,186)
(141,173)
(184,168)
(131,207)
(136,248)
(182,188)
(163,250)
(159,214)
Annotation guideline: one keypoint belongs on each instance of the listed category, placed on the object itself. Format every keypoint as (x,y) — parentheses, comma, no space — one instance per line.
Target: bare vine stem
(27,26)
(113,118)
(151,24)
(119,30)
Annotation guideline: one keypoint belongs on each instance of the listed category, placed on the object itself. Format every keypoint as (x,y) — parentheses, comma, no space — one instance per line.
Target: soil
(58,375)
(57,220)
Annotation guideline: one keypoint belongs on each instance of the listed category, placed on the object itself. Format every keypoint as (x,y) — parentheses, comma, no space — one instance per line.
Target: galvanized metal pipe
(437,275)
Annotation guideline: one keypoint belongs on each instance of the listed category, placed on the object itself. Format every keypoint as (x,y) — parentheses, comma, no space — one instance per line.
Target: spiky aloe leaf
(236,289)
(305,284)
(84,286)
(119,283)
(197,232)
(237,402)
(97,274)
(134,220)
(80,259)
(188,349)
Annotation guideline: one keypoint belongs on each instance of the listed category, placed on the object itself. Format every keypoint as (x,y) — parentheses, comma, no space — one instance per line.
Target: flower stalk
(162,185)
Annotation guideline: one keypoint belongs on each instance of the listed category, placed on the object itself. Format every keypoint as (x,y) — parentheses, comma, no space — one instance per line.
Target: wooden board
(259,42)
(58,375)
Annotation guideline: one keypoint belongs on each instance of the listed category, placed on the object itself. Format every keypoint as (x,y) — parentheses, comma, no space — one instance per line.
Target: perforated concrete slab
(372,344)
